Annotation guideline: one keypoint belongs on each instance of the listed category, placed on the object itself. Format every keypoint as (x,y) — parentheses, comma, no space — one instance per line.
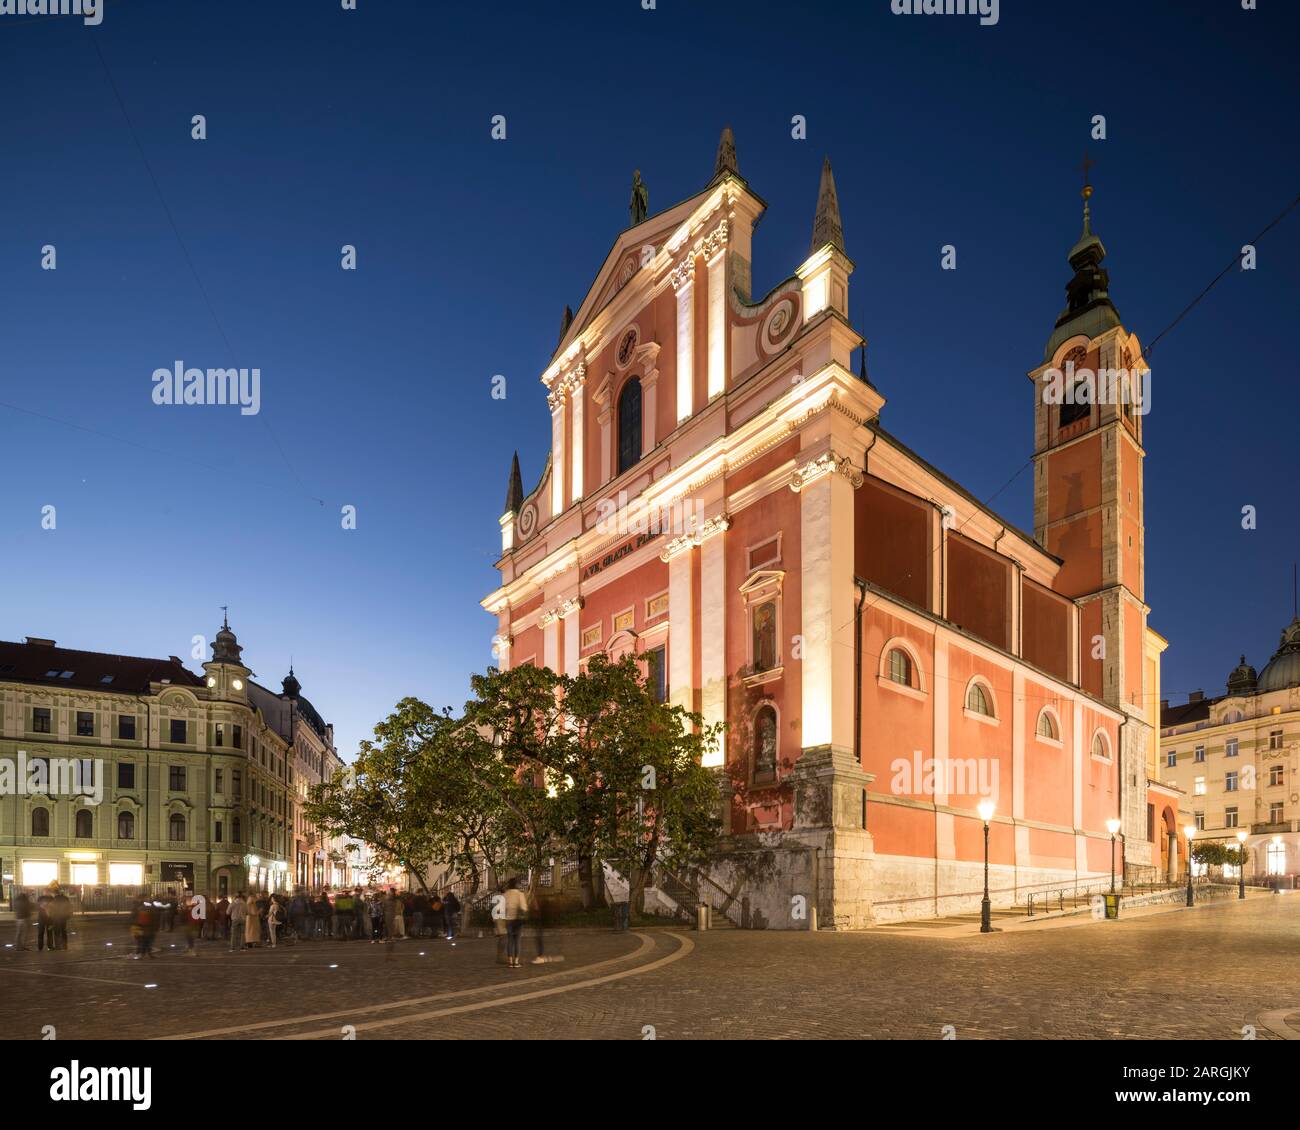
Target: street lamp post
(1190,832)
(985,808)
(1112,826)
(1277,879)
(1241,864)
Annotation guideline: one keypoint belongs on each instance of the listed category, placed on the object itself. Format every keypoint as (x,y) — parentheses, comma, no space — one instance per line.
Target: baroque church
(886,651)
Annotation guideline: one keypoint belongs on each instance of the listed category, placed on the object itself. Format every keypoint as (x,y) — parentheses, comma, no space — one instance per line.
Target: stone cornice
(707,529)
(828,464)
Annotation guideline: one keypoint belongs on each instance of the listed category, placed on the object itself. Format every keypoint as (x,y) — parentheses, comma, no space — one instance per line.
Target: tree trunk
(586,887)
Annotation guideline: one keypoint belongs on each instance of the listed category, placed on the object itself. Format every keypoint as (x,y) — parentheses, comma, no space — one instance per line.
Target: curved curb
(1276,1022)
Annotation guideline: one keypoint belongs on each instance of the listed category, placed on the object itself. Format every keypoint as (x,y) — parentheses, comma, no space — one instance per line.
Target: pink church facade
(723,500)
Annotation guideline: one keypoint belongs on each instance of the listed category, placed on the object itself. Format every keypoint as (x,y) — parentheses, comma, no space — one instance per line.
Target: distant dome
(1243,679)
(1283,669)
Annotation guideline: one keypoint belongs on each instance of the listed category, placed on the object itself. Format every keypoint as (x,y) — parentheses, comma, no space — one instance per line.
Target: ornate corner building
(723,499)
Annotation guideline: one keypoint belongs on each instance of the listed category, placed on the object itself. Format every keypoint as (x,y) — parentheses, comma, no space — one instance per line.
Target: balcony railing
(1272,828)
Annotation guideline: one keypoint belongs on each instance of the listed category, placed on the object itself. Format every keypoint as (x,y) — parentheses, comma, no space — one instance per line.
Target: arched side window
(899,667)
(126,825)
(629,425)
(40,822)
(1047,726)
(765,745)
(979,700)
(1100,746)
(85,824)
(176,827)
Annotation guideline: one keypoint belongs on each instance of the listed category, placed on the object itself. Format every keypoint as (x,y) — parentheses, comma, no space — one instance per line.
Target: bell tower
(1091,395)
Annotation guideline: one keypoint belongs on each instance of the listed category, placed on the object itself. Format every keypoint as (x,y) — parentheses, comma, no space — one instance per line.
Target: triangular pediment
(626,258)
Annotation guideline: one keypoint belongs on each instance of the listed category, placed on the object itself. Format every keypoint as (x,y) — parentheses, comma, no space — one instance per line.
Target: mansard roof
(41,662)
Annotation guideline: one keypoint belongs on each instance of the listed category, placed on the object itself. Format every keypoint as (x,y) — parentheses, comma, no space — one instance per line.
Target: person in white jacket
(274,916)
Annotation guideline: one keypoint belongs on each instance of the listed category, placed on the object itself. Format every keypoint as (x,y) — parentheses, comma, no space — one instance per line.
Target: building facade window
(1171,759)
(1230,782)
(1200,821)
(126,727)
(126,775)
(220,735)
(176,827)
(1200,754)
(1276,858)
(85,724)
(1231,747)
(178,731)
(237,784)
(125,826)
(236,831)
(40,720)
(40,822)
(238,736)
(629,425)
(176,778)
(84,828)
(977,700)
(1276,775)
(1047,727)
(900,667)
(1100,747)
(1198,786)
(1276,812)
(216,832)
(1275,739)
(1229,817)
(219,784)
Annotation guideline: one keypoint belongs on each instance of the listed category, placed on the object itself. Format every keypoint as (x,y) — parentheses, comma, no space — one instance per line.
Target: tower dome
(1243,679)
(1283,670)
(225,648)
(290,685)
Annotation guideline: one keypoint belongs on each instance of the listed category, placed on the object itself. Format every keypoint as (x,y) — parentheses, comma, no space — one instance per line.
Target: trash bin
(1112,906)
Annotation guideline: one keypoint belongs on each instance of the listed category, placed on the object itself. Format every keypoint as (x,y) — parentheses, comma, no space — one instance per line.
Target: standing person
(145,928)
(191,921)
(343,914)
(221,918)
(327,915)
(419,907)
(43,901)
(376,916)
(60,914)
(169,911)
(23,917)
(390,911)
(274,916)
(237,912)
(252,923)
(298,912)
(399,918)
(361,913)
(450,908)
(516,910)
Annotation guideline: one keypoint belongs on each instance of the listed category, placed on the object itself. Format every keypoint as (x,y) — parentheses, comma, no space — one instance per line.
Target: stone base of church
(773,881)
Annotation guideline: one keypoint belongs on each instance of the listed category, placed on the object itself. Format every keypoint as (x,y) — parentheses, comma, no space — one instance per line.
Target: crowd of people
(252,919)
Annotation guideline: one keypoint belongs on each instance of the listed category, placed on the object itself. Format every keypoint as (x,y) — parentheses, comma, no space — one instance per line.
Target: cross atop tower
(1084,167)
(225,620)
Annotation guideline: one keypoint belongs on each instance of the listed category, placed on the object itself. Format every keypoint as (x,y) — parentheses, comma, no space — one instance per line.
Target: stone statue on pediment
(640,203)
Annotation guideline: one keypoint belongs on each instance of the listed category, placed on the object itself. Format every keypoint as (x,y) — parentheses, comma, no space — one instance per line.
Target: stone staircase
(687,901)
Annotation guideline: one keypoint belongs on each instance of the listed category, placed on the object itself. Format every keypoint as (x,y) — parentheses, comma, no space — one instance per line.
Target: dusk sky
(372,128)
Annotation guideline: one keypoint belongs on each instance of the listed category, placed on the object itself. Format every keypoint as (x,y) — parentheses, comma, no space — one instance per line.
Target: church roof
(1088,308)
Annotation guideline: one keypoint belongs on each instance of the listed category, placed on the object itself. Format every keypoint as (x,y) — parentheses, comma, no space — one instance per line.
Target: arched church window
(765,636)
(764,745)
(1047,727)
(900,667)
(629,425)
(977,700)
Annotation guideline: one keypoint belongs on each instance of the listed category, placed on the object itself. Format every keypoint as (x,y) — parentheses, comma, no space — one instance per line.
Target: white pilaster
(1016,708)
(717,268)
(683,283)
(826,536)
(945,823)
(713,633)
(557,456)
(649,400)
(681,622)
(569,618)
(579,442)
(551,645)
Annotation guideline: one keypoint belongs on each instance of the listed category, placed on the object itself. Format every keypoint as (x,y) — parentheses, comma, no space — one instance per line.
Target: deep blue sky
(372,128)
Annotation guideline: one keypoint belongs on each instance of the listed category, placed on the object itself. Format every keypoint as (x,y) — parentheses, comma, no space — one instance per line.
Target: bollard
(812,919)
(701,917)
